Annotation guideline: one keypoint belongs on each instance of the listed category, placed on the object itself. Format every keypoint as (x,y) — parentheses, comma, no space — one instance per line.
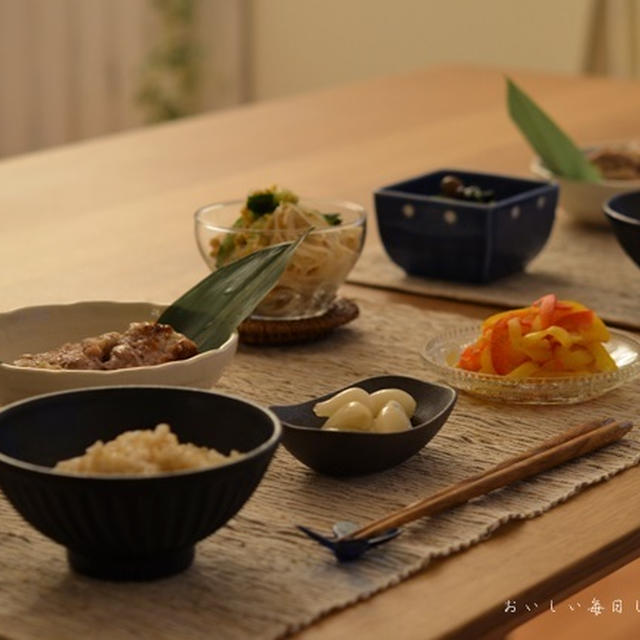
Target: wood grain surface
(112,219)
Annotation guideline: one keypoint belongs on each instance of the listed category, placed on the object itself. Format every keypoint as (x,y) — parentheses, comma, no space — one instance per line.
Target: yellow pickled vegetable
(549,338)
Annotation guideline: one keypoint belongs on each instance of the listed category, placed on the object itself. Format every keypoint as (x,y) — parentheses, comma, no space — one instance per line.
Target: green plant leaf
(554,146)
(214,307)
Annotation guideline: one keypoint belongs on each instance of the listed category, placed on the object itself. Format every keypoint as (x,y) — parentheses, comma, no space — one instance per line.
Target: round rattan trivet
(291,331)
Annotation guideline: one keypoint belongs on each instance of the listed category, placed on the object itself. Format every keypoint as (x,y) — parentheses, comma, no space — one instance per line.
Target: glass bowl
(319,266)
(442,352)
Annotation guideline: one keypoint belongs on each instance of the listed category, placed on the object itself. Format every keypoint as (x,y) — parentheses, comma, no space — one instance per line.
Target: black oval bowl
(348,453)
(126,527)
(623,212)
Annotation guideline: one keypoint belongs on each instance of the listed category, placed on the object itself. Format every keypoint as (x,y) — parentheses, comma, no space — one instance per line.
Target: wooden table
(111,219)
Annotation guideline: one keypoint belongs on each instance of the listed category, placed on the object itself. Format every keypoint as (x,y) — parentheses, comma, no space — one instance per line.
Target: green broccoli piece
(333,219)
(267,201)
(262,202)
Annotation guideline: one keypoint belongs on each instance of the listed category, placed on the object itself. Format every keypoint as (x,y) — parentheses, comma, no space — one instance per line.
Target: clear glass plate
(442,352)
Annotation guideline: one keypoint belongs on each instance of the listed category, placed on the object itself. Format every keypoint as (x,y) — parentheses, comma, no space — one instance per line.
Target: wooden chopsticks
(573,443)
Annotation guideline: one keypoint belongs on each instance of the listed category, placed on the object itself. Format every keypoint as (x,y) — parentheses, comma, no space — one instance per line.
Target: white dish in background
(42,328)
(443,351)
(583,201)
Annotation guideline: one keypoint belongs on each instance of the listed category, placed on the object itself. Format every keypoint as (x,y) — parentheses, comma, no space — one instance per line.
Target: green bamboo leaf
(214,307)
(554,146)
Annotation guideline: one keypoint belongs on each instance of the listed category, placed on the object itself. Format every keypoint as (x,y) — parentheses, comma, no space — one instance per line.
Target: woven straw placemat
(258,577)
(578,263)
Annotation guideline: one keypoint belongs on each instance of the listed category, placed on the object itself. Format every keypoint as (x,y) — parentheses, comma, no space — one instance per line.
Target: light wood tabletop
(112,219)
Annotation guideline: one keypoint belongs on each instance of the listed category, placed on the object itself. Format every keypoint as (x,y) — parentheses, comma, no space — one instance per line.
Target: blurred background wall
(343,40)
(73,69)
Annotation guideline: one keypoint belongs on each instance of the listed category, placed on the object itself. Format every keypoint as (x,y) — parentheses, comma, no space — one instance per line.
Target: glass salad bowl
(320,265)
(442,352)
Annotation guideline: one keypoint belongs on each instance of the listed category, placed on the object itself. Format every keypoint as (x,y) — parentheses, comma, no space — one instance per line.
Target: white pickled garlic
(391,418)
(331,405)
(382,397)
(353,416)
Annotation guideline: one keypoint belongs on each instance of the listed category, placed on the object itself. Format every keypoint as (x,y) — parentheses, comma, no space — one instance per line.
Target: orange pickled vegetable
(549,338)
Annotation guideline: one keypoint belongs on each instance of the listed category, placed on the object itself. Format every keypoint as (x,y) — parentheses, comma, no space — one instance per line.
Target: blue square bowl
(438,237)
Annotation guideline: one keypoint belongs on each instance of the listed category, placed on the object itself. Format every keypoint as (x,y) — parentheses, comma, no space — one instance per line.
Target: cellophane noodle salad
(550,338)
(321,263)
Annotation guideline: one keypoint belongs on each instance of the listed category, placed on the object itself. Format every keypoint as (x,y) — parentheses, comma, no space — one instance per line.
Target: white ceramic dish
(583,201)
(41,328)
(443,351)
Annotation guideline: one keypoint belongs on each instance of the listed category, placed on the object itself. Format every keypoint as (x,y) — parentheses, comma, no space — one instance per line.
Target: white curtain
(72,69)
(614,42)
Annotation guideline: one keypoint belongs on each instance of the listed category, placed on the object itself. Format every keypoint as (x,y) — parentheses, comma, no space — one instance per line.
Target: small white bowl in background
(42,328)
(583,201)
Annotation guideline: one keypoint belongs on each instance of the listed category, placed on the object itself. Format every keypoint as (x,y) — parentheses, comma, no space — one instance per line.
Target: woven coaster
(263,332)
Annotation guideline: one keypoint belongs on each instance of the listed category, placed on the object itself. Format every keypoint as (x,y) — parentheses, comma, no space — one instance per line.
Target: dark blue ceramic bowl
(438,237)
(623,212)
(125,527)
